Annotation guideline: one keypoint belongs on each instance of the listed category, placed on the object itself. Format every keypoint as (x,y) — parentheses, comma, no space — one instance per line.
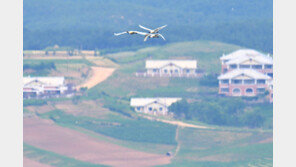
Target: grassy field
(119,124)
(53,159)
(138,130)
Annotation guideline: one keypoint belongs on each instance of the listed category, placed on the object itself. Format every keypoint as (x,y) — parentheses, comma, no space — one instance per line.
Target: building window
(260,90)
(237,81)
(268,66)
(244,66)
(249,90)
(270,74)
(188,71)
(165,71)
(138,108)
(249,81)
(154,70)
(236,91)
(257,66)
(224,89)
(160,108)
(176,71)
(260,81)
(233,66)
(150,108)
(224,81)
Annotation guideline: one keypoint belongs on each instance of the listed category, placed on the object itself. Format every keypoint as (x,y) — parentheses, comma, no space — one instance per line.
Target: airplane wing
(159,28)
(116,34)
(145,39)
(141,33)
(161,36)
(145,28)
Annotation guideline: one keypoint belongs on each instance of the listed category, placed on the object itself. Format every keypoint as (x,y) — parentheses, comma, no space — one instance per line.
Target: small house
(171,68)
(43,86)
(154,106)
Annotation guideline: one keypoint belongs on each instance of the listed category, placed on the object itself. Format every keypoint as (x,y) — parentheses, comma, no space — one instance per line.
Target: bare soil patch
(178,123)
(268,140)
(84,108)
(31,163)
(46,135)
(99,74)
(40,109)
(216,158)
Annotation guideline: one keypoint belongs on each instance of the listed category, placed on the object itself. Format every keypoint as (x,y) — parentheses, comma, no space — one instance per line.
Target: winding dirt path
(99,74)
(178,123)
(177,140)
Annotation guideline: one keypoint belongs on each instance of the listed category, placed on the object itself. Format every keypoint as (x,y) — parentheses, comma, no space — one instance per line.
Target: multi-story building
(247,59)
(155,106)
(43,86)
(171,68)
(246,72)
(243,82)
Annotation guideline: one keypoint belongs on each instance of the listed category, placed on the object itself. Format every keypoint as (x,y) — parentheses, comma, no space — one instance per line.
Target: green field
(138,130)
(221,146)
(53,159)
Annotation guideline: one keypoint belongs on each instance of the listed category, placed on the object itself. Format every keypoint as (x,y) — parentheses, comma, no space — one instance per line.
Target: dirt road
(178,123)
(99,74)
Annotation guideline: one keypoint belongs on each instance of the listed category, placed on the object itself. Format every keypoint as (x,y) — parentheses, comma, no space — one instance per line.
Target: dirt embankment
(46,135)
(99,74)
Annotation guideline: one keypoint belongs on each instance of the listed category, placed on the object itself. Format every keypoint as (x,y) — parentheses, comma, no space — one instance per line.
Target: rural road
(99,74)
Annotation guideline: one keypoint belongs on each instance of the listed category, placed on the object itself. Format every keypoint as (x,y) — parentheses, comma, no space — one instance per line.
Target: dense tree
(223,111)
(90,24)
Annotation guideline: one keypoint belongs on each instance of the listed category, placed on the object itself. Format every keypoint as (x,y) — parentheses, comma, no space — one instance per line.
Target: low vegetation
(90,24)
(137,130)
(239,143)
(53,159)
(34,102)
(38,69)
(225,111)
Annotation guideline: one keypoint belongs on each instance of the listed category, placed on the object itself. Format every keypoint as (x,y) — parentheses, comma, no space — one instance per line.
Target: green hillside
(229,146)
(123,85)
(90,24)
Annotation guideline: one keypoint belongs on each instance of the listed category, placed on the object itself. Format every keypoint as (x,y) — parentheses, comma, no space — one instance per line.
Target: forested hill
(90,24)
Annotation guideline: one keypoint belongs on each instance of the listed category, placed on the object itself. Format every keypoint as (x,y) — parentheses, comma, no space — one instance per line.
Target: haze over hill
(90,24)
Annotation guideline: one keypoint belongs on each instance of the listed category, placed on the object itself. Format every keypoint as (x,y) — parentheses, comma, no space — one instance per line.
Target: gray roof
(248,72)
(167,101)
(261,59)
(192,64)
(241,52)
(50,81)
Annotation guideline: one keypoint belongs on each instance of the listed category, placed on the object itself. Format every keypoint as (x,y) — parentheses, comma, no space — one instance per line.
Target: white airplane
(148,35)
(128,32)
(151,34)
(152,31)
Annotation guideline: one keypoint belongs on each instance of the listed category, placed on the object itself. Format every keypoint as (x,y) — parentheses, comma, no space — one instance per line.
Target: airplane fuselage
(131,32)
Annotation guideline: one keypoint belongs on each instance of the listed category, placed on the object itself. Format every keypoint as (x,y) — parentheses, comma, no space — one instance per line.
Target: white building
(246,82)
(246,72)
(38,86)
(171,68)
(239,53)
(247,59)
(155,106)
